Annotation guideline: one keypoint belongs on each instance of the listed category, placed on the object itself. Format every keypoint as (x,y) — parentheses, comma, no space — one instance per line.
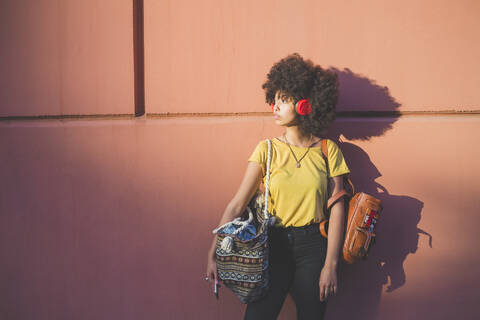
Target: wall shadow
(362,284)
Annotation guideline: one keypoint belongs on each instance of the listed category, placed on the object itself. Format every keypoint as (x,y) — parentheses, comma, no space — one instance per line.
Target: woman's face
(283,109)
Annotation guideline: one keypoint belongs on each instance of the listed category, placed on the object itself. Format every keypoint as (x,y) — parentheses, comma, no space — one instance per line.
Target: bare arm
(328,275)
(249,185)
(335,225)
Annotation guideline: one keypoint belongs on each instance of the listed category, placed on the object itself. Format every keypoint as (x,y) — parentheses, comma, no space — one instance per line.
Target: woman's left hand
(327,282)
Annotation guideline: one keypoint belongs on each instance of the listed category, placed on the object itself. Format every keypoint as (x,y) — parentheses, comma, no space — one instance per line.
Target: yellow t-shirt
(297,195)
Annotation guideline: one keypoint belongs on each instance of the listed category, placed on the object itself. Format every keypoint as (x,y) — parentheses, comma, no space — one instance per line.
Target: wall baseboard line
(167,115)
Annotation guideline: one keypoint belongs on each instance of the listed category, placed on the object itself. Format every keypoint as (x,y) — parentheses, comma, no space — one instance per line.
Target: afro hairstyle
(302,79)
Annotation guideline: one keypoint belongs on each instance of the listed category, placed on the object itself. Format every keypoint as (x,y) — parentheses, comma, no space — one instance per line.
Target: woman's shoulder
(264,142)
(334,150)
(261,146)
(332,147)
(331,144)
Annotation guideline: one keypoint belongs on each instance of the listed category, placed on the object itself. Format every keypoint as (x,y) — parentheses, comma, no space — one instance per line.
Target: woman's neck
(295,137)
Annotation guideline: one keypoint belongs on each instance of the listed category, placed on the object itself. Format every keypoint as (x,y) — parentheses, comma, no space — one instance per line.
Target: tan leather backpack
(363,212)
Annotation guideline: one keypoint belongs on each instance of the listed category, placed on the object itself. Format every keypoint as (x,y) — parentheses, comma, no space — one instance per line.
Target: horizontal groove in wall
(71,117)
(341,114)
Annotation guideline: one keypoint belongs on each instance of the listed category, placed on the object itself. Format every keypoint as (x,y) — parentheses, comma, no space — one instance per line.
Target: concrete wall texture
(104,216)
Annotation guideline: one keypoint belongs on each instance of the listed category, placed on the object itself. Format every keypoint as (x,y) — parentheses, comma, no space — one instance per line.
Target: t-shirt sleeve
(259,155)
(336,162)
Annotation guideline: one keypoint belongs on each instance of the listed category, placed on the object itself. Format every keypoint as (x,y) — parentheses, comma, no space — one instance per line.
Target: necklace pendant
(298,164)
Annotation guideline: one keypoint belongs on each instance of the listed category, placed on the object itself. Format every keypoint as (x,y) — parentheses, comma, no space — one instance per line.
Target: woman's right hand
(212,268)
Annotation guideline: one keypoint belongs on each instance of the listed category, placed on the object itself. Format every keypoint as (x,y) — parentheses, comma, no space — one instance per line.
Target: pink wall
(425,52)
(66,57)
(111,218)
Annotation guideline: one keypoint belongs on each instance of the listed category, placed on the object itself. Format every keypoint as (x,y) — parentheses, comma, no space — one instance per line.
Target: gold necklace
(293,153)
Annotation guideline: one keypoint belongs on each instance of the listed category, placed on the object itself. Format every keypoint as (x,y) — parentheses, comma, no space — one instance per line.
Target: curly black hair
(302,79)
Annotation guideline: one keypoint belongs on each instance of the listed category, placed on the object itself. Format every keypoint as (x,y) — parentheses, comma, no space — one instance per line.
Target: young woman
(303,98)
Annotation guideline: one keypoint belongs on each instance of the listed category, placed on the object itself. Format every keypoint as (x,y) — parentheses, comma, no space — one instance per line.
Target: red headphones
(302,107)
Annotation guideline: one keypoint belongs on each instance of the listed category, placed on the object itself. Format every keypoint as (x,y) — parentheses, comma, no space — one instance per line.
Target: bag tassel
(227,244)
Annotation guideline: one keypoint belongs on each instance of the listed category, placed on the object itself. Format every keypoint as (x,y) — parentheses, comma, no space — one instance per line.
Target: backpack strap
(334,198)
(324,228)
(325,157)
(337,196)
(324,149)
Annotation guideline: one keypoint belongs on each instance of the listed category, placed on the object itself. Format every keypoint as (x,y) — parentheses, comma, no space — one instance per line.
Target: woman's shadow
(362,283)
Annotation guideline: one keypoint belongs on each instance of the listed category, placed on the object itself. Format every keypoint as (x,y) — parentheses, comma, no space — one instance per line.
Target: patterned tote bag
(242,248)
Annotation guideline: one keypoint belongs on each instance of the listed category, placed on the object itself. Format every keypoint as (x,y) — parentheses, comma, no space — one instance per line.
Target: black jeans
(297,256)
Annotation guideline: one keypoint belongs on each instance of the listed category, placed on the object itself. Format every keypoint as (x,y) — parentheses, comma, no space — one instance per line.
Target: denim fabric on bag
(248,233)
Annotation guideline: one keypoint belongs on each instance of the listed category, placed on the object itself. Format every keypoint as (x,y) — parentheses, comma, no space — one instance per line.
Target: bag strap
(267,179)
(325,156)
(334,198)
(337,196)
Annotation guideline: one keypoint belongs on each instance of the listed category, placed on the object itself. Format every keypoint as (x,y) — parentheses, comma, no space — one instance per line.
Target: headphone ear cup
(303,107)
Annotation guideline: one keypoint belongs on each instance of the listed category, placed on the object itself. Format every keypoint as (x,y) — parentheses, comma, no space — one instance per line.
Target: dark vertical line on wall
(138,57)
